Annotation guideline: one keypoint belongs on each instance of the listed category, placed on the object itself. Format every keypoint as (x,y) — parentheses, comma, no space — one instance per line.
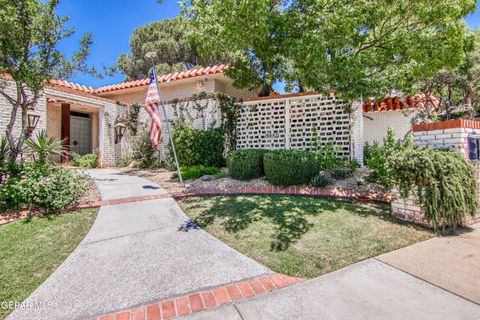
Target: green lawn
(301,236)
(31,250)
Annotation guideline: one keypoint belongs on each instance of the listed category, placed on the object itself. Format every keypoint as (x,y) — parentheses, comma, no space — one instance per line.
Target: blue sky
(112,23)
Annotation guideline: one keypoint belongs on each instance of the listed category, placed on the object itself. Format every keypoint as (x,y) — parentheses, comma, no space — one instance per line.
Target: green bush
(376,157)
(327,156)
(90,160)
(320,181)
(196,172)
(197,147)
(246,163)
(125,161)
(345,169)
(38,186)
(290,167)
(142,149)
(443,182)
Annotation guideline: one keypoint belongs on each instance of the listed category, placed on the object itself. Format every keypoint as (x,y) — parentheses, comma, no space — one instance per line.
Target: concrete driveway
(133,255)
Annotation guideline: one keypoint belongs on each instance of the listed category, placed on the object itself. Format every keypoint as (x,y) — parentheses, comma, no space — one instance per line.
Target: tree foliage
(30,31)
(358,47)
(457,89)
(252,32)
(174,49)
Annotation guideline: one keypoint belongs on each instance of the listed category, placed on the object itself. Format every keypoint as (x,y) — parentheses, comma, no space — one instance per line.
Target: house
(86,116)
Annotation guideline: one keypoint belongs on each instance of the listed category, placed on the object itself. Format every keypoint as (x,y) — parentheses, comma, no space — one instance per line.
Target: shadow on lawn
(287,215)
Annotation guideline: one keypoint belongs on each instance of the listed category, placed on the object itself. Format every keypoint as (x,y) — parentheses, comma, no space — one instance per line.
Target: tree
(458,88)
(174,49)
(358,47)
(29,33)
(252,32)
(369,48)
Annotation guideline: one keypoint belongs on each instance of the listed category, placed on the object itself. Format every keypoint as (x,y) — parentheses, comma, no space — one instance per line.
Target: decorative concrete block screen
(294,122)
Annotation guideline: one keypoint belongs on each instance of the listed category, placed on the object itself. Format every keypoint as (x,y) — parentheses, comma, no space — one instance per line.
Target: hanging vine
(131,120)
(443,182)
(230,112)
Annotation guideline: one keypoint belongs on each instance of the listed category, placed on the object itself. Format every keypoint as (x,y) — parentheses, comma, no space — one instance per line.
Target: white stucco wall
(376,124)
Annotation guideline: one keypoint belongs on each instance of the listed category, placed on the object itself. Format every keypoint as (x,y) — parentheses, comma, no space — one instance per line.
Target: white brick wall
(6,110)
(376,124)
(357,139)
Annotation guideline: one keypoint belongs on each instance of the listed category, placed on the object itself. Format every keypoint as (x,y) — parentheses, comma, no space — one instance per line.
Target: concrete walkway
(451,263)
(366,290)
(134,255)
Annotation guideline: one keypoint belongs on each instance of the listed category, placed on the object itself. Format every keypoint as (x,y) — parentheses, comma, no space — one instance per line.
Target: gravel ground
(163,178)
(92,193)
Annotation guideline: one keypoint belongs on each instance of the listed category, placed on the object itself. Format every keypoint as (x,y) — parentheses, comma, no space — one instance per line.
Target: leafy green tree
(458,88)
(174,49)
(30,31)
(358,47)
(369,48)
(252,32)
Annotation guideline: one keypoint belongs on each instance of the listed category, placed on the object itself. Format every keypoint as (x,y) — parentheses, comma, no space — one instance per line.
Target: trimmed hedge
(290,167)
(246,163)
(197,147)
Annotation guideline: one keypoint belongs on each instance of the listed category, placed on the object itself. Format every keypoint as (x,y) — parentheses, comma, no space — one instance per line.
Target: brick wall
(54,121)
(451,135)
(376,124)
(6,109)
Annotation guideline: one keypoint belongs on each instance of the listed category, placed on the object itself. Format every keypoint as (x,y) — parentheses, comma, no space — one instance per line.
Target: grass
(30,250)
(301,236)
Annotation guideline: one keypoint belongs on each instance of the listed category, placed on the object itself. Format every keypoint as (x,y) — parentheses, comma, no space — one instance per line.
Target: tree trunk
(265,91)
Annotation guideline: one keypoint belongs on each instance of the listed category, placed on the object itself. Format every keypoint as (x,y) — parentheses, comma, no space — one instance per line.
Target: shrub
(221,174)
(125,161)
(345,169)
(197,147)
(196,172)
(290,167)
(43,148)
(142,149)
(443,182)
(328,158)
(38,186)
(246,163)
(376,157)
(90,160)
(320,181)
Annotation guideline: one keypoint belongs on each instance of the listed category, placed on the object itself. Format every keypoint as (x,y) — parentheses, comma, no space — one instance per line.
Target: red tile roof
(164,78)
(71,85)
(140,83)
(395,103)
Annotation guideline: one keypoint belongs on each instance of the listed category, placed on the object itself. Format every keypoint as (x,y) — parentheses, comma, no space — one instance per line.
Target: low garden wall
(449,135)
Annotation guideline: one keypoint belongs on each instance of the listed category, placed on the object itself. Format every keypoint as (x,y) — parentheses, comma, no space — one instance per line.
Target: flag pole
(152,55)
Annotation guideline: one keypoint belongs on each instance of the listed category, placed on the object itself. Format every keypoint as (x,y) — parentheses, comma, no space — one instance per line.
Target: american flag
(151,106)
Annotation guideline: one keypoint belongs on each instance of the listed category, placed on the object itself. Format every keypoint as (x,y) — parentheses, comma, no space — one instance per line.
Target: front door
(81,134)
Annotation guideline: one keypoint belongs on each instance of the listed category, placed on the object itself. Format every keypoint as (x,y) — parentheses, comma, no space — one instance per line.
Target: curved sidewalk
(134,255)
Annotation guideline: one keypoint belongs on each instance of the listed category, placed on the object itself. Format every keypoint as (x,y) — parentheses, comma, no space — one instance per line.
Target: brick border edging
(14,216)
(204,299)
(292,190)
(252,190)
